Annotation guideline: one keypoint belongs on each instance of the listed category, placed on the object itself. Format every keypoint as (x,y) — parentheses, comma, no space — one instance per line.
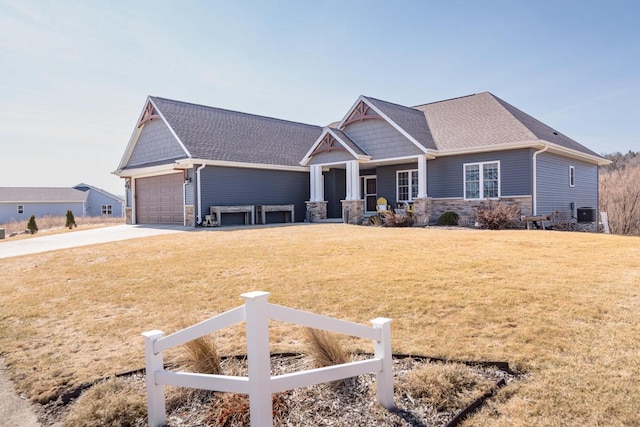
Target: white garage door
(159,199)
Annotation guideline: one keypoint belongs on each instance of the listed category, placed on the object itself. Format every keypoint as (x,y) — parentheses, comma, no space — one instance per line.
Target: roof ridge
(387,102)
(234,111)
(451,99)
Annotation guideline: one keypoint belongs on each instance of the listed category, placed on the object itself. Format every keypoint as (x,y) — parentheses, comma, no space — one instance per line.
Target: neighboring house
(100,202)
(19,203)
(443,156)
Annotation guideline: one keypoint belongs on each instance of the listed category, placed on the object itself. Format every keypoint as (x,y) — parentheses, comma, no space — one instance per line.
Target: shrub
(71,221)
(375,220)
(449,218)
(397,220)
(496,215)
(31,225)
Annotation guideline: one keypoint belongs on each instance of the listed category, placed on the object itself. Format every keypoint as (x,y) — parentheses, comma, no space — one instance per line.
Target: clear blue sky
(74,75)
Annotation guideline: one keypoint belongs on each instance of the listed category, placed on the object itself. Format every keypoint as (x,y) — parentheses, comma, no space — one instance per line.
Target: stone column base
(353,211)
(190,215)
(128,215)
(317,210)
(422,210)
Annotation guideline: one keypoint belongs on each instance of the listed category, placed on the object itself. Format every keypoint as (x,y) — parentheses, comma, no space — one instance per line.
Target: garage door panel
(159,199)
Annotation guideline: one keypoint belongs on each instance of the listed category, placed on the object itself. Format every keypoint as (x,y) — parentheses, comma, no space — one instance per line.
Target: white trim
(387,119)
(481,180)
(189,163)
(409,191)
(166,122)
(572,176)
(307,157)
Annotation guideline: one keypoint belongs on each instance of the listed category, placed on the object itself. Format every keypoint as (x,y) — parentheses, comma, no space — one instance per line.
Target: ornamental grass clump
(392,219)
(448,387)
(449,218)
(324,349)
(201,355)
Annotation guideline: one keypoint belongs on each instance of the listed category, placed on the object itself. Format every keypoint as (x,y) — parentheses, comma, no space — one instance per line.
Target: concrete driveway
(85,237)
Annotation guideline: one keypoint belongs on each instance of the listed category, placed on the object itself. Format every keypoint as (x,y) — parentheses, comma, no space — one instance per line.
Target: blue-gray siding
(380,140)
(331,157)
(245,186)
(9,211)
(554,192)
(445,177)
(95,201)
(156,142)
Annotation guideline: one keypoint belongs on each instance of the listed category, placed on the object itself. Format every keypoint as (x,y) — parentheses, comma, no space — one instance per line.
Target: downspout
(534,198)
(184,202)
(199,220)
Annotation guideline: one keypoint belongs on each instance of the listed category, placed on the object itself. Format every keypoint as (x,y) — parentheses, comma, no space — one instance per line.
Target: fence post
(155,392)
(259,358)
(382,349)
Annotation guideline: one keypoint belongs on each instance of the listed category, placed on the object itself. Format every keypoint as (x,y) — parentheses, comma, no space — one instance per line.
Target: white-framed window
(572,176)
(107,209)
(20,209)
(406,185)
(482,180)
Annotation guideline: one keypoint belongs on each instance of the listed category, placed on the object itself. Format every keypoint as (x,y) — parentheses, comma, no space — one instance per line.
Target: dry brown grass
(561,306)
(49,224)
(323,348)
(201,355)
(446,386)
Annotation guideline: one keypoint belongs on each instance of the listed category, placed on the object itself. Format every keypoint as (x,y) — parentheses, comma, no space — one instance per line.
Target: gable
(155,143)
(380,139)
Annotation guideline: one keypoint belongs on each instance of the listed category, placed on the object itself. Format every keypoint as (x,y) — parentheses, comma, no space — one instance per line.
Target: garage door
(159,199)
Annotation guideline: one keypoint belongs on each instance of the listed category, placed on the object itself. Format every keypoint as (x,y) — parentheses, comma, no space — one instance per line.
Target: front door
(370,192)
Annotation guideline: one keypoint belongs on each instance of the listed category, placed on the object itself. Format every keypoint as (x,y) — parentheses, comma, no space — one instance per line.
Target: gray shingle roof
(41,195)
(345,138)
(483,120)
(409,119)
(218,134)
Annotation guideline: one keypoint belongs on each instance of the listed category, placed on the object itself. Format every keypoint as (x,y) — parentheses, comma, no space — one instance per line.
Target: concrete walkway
(85,237)
(14,411)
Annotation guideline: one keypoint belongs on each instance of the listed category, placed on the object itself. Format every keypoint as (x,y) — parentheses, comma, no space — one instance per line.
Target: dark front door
(370,192)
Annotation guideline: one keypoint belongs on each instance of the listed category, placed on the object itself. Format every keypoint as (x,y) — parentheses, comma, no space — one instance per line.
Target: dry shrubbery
(620,198)
(324,349)
(53,222)
(447,387)
(496,215)
(392,219)
(111,403)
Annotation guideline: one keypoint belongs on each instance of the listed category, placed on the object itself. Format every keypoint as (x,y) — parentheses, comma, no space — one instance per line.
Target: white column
(155,392)
(353,180)
(422,176)
(316,184)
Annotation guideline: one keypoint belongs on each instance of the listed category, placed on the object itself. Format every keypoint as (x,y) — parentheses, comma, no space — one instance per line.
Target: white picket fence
(259,384)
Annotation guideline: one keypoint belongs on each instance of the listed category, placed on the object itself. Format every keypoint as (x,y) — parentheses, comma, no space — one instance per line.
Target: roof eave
(189,163)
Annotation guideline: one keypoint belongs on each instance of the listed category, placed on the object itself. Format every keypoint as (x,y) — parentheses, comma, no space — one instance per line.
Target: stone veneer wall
(128,214)
(466,208)
(422,210)
(355,209)
(317,210)
(190,215)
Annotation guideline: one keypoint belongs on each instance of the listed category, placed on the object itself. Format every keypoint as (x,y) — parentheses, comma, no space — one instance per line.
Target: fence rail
(259,384)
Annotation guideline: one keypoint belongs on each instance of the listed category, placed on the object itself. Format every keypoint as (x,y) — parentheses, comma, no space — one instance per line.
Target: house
(443,156)
(19,203)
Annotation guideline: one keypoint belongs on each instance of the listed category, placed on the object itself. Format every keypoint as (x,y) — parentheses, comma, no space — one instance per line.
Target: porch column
(316,184)
(353,180)
(422,176)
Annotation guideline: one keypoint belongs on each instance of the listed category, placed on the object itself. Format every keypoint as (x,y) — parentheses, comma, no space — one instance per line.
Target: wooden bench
(248,210)
(263,209)
(531,219)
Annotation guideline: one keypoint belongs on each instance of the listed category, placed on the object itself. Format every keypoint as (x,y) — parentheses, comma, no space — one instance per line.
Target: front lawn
(562,307)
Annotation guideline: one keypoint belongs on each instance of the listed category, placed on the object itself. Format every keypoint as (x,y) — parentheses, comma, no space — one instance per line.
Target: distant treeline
(620,192)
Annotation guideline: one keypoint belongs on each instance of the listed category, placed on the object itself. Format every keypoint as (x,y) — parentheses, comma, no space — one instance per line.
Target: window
(572,176)
(106,209)
(407,185)
(482,180)
(20,209)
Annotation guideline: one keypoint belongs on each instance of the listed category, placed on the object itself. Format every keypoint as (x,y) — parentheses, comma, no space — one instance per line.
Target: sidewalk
(14,411)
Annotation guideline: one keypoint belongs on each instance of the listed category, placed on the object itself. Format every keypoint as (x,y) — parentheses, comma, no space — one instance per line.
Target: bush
(31,225)
(449,218)
(71,221)
(397,220)
(496,215)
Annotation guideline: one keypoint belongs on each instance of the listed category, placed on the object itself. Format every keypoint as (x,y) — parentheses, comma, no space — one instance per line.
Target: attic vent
(555,133)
